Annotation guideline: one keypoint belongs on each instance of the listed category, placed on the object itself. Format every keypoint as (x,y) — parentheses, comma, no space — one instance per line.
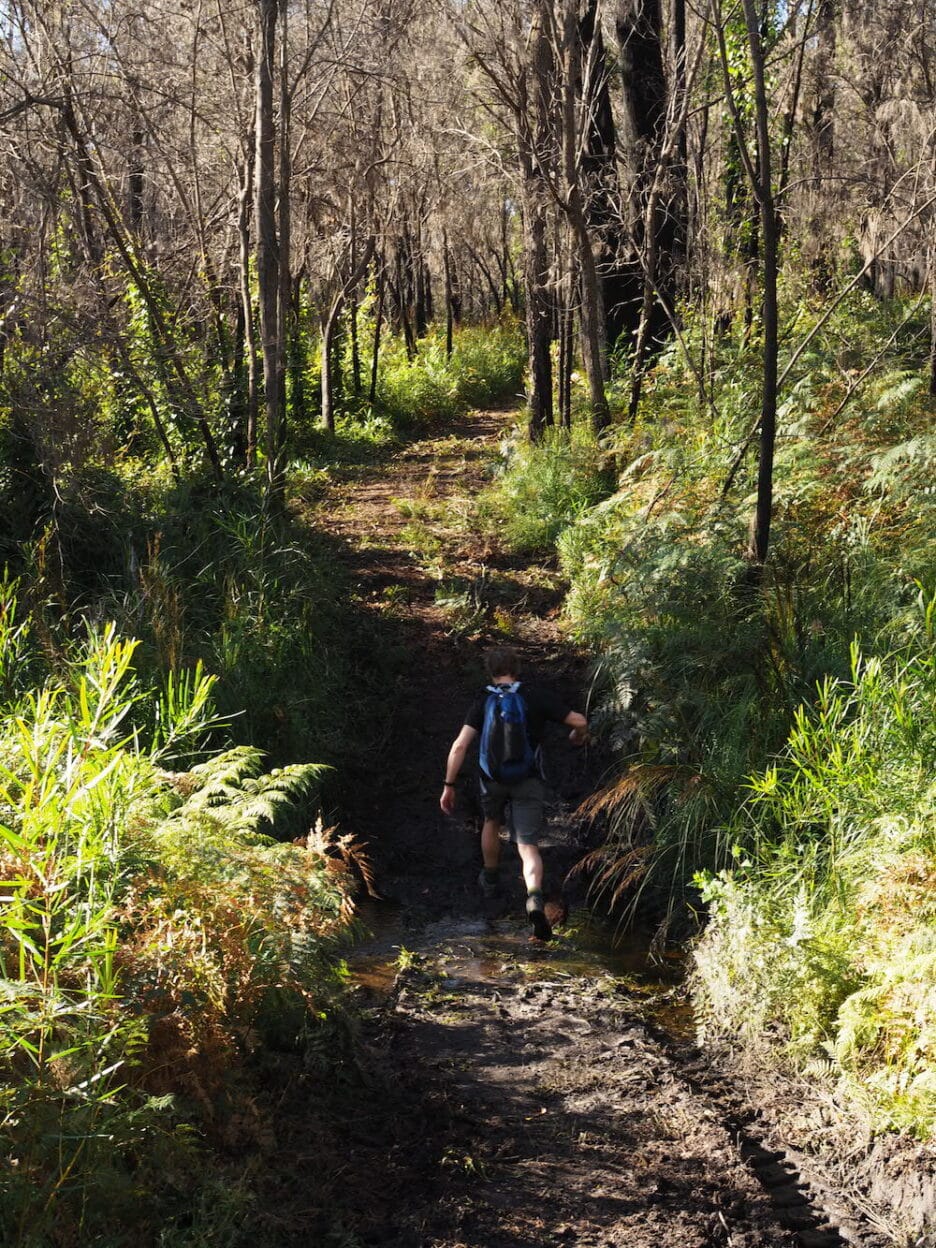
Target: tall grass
(486,366)
(699,673)
(150,929)
(773,735)
(544,487)
(822,935)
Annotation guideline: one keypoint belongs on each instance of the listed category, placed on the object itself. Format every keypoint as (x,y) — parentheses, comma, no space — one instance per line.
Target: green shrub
(150,925)
(545,486)
(700,669)
(486,365)
(823,934)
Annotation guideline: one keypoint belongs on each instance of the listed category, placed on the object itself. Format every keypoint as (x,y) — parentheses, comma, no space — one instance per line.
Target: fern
(906,468)
(899,388)
(242,799)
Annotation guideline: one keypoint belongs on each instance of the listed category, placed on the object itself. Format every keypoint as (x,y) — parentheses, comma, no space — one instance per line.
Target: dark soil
(498,1092)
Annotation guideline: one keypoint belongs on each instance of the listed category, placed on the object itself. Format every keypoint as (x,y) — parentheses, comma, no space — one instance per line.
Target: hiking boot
(489,888)
(537,916)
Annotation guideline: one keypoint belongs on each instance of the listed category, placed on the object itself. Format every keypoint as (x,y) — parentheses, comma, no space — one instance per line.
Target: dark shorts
(527,804)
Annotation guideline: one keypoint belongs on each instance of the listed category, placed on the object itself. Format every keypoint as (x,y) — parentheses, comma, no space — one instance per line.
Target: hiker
(510,716)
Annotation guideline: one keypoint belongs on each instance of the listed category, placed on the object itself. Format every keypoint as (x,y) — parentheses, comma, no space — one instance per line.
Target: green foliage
(822,934)
(149,932)
(486,365)
(819,873)
(545,486)
(701,669)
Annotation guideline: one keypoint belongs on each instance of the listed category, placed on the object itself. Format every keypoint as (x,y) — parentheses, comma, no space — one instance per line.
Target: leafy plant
(149,924)
(544,487)
(821,934)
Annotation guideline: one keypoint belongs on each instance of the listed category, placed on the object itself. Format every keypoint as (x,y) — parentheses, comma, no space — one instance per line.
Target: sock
(491,874)
(535,892)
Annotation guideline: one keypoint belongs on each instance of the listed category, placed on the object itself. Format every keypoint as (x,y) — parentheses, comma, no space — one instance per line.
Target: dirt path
(448,592)
(499,1093)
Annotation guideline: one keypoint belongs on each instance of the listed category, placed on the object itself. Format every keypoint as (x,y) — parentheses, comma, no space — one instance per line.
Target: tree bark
(594,340)
(330,376)
(353,311)
(534,139)
(599,171)
(763,190)
(447,271)
(268,258)
(135,175)
(286,323)
(378,326)
(328,365)
(245,202)
(658,236)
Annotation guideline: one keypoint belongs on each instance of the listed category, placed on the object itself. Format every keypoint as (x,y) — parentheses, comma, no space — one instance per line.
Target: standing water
(468,950)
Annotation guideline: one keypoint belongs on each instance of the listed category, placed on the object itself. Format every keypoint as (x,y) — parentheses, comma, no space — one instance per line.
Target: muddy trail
(495,1092)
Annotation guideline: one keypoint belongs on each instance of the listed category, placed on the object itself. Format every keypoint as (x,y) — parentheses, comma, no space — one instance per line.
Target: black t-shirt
(543,706)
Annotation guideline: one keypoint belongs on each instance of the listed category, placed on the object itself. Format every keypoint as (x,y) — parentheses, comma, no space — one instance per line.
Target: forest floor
(496,1092)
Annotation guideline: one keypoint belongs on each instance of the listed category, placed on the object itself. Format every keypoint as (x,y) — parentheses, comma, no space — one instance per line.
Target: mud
(502,1098)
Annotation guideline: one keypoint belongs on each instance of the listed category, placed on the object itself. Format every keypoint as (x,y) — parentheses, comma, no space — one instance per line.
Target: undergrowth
(153,933)
(703,672)
(544,487)
(486,366)
(822,935)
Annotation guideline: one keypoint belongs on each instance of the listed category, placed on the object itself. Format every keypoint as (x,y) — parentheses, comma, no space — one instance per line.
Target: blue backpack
(506,753)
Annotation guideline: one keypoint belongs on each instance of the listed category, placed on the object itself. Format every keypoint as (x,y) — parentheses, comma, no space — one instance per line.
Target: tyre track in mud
(505,1098)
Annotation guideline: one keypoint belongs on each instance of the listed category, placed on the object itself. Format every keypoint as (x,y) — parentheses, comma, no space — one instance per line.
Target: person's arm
(579,725)
(456,757)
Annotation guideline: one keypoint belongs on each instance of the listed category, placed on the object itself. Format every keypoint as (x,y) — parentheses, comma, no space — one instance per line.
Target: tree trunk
(679,173)
(135,181)
(268,259)
(823,128)
(489,278)
(378,326)
(329,327)
(247,311)
(284,311)
(593,329)
(504,258)
(566,335)
(331,372)
(534,141)
(296,362)
(639,27)
(417,268)
(447,271)
(601,183)
(401,299)
(353,311)
(763,189)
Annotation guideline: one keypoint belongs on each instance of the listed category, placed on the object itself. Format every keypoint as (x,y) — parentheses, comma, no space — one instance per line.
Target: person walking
(510,717)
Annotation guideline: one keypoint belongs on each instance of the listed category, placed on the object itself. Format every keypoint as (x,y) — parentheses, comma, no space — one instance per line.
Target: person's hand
(578,736)
(447,800)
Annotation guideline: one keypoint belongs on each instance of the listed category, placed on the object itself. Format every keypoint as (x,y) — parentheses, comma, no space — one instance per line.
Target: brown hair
(502,661)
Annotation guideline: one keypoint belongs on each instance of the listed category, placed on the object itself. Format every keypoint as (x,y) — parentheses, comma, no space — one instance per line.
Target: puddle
(472,950)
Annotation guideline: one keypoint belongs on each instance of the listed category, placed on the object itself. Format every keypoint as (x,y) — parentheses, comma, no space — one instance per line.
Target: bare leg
(490,844)
(533,876)
(532,862)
